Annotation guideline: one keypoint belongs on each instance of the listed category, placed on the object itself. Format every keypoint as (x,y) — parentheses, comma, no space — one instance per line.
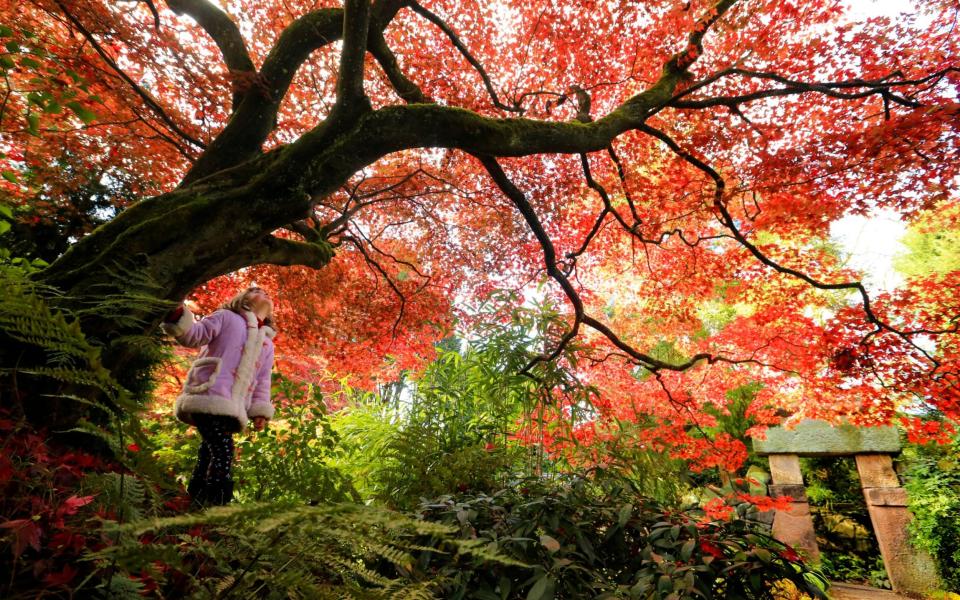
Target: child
(227,385)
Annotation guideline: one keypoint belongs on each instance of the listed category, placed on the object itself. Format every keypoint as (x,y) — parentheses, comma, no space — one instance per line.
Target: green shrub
(932,477)
(398,464)
(848,547)
(596,538)
(847,566)
(293,458)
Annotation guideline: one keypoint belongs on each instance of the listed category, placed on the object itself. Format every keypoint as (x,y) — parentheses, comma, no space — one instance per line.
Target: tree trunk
(122,278)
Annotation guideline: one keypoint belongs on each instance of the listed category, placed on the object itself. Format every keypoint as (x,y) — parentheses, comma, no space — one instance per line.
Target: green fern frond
(334,551)
(123,493)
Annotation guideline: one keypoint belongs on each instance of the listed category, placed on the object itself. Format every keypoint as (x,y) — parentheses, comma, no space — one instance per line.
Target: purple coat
(232,374)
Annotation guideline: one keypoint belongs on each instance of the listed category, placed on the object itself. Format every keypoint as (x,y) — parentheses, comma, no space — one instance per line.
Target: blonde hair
(241,302)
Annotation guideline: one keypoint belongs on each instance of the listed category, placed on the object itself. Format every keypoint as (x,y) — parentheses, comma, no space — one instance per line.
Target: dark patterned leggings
(216,452)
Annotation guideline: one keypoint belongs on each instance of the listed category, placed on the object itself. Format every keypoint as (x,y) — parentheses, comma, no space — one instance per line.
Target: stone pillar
(795,526)
(910,570)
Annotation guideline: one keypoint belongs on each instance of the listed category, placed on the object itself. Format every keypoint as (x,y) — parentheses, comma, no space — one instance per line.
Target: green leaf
(12,46)
(12,178)
(5,31)
(763,554)
(36,98)
(686,551)
(26,61)
(4,227)
(86,115)
(542,590)
(664,584)
(6,62)
(624,515)
(33,124)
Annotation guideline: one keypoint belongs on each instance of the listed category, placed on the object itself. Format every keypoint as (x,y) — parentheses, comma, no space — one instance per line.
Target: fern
(124,494)
(64,354)
(282,550)
(120,588)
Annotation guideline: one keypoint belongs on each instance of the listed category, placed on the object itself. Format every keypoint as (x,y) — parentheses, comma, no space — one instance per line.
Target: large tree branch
(284,252)
(255,117)
(844,90)
(273,250)
(317,164)
(253,121)
(326,156)
(225,33)
(356,21)
(405,88)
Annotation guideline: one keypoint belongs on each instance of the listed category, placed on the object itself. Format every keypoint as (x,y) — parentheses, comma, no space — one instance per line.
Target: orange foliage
(723,276)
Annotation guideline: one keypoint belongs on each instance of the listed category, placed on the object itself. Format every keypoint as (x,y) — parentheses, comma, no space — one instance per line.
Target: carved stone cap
(820,438)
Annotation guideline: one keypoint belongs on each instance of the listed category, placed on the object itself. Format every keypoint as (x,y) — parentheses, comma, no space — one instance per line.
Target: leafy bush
(400,463)
(932,477)
(847,566)
(57,487)
(581,538)
(54,500)
(470,421)
(448,429)
(77,526)
(293,459)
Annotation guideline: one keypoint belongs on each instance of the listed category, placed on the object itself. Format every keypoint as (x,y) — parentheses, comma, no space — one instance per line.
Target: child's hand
(259,423)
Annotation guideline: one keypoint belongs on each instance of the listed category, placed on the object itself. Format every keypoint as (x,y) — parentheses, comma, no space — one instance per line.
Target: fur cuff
(261,409)
(183,324)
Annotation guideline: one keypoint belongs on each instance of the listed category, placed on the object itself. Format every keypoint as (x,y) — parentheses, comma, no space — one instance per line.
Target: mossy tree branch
(224,32)
(278,188)
(356,21)
(256,116)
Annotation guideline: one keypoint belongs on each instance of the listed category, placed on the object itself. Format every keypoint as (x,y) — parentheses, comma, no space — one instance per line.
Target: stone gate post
(910,570)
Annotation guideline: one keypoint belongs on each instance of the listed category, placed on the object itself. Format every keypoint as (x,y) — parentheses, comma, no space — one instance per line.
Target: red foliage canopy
(690,249)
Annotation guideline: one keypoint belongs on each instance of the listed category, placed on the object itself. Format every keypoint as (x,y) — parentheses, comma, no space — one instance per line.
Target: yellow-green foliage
(932,244)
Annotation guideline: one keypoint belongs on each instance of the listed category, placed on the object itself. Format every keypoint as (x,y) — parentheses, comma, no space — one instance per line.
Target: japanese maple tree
(672,168)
